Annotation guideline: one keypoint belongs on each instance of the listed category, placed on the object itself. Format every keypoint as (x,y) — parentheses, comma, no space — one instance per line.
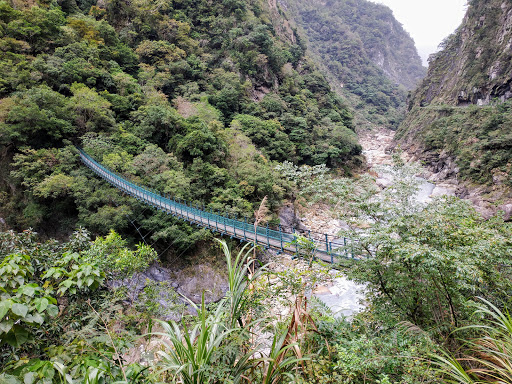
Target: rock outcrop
(474,66)
(459,118)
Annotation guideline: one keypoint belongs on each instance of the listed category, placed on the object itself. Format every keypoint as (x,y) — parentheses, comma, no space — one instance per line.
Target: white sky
(427,21)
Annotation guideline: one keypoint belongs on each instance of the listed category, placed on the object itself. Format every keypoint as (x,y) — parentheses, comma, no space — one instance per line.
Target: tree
(92,111)
(157,122)
(38,117)
(420,263)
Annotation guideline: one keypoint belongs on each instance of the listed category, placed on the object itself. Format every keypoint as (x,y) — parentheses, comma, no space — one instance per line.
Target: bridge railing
(327,247)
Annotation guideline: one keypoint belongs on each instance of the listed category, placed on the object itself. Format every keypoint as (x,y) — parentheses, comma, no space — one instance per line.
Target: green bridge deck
(328,247)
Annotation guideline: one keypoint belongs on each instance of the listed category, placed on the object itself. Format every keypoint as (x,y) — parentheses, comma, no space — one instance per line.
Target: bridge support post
(245,225)
(268,239)
(281,237)
(296,242)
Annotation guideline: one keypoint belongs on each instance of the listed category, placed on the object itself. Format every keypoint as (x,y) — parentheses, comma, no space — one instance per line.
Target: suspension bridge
(326,247)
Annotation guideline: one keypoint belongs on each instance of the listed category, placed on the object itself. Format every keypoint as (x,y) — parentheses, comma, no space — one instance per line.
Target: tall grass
(488,358)
(189,352)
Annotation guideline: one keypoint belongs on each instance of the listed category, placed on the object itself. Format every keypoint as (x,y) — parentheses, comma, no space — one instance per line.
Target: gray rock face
(190,282)
(507,210)
(193,280)
(289,219)
(137,282)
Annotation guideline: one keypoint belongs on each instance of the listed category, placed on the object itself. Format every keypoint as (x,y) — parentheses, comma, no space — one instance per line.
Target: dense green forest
(216,103)
(195,100)
(366,53)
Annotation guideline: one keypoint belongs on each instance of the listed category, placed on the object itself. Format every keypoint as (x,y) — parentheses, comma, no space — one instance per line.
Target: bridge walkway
(327,248)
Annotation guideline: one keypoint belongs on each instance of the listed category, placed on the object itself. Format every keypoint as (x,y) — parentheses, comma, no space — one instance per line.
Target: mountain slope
(459,118)
(368,56)
(193,98)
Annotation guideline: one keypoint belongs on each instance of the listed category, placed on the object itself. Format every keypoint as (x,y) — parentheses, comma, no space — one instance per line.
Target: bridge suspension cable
(327,248)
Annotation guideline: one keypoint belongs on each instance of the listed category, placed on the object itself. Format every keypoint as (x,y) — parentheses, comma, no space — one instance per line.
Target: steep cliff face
(475,64)
(365,52)
(459,118)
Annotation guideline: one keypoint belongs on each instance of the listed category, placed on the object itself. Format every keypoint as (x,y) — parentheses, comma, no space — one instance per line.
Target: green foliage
(364,50)
(422,263)
(215,348)
(363,351)
(477,137)
(444,240)
(72,273)
(38,26)
(32,274)
(73,342)
(192,353)
(92,112)
(267,135)
(112,255)
(37,117)
(23,303)
(487,358)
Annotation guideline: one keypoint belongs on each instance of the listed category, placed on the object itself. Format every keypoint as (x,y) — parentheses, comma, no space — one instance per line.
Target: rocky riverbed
(340,294)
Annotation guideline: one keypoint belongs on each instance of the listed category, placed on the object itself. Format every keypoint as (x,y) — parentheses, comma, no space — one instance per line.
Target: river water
(344,297)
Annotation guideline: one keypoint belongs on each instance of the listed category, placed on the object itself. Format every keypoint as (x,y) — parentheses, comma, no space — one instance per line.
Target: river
(342,296)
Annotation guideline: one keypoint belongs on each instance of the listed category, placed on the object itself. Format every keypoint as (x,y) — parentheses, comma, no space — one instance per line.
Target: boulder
(195,279)
(383,182)
(288,218)
(507,211)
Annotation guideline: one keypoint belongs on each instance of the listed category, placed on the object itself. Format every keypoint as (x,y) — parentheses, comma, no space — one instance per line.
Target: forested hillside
(217,104)
(193,98)
(367,54)
(459,118)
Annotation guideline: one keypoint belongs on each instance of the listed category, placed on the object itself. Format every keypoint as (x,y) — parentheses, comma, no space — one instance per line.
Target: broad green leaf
(48,371)
(30,378)
(41,304)
(5,305)
(8,379)
(67,283)
(19,309)
(35,318)
(28,289)
(6,325)
(17,336)
(52,310)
